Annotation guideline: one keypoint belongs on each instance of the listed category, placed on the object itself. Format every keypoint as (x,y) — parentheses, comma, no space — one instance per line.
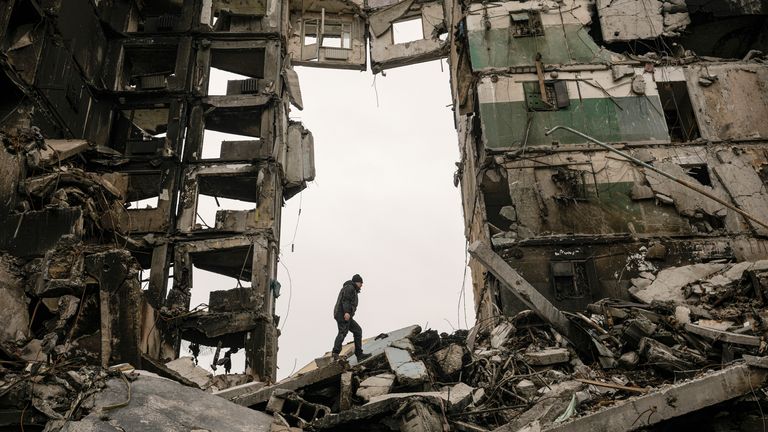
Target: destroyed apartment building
(613,173)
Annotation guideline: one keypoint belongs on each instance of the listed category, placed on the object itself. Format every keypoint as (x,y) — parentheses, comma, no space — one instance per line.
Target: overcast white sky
(382,205)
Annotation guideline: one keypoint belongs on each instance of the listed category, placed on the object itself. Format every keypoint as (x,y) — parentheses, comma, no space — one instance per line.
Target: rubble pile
(693,340)
(706,327)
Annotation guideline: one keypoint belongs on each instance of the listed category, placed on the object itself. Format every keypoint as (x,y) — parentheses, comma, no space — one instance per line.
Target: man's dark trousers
(357,333)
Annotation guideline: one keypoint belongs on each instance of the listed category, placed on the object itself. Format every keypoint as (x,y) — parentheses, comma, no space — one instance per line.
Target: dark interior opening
(147,68)
(23,19)
(570,279)
(12,98)
(246,61)
(699,172)
(496,193)
(678,111)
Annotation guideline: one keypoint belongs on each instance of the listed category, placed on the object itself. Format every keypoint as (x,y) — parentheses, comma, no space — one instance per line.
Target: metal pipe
(660,172)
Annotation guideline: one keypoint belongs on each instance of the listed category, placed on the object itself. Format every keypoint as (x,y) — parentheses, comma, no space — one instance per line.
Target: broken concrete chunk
(526,388)
(656,251)
(169,406)
(186,367)
(629,360)
(459,396)
(449,359)
(714,324)
(405,344)
(237,390)
(682,314)
(290,405)
(234,300)
(33,351)
(688,396)
(547,356)
(376,385)
(509,213)
(55,151)
(376,346)
(557,399)
(620,71)
(669,283)
(397,357)
(676,21)
(345,391)
(410,373)
(419,416)
(718,335)
(641,192)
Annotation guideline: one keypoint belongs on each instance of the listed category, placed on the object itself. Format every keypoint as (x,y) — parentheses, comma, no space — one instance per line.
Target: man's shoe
(362,356)
(335,356)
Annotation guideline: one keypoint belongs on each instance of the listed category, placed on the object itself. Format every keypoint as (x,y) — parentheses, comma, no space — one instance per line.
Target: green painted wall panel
(609,210)
(639,119)
(497,47)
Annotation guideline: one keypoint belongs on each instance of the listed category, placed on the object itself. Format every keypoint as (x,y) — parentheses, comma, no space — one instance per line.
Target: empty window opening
(208,206)
(147,68)
(407,31)
(248,62)
(495,189)
(556,97)
(311,31)
(232,359)
(570,279)
(678,111)
(141,131)
(147,203)
(337,35)
(160,16)
(223,83)
(213,140)
(233,123)
(143,190)
(699,172)
(147,272)
(11,100)
(526,24)
(24,18)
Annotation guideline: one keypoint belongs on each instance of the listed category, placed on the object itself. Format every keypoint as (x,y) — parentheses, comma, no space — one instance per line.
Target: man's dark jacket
(347,301)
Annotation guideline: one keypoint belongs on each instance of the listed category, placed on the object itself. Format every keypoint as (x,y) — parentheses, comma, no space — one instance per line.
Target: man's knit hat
(357,278)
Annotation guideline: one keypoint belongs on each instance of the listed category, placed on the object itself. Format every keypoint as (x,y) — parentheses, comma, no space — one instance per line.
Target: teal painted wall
(639,119)
(497,47)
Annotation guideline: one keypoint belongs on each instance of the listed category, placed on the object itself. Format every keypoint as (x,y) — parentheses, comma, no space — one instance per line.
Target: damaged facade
(613,173)
(112,138)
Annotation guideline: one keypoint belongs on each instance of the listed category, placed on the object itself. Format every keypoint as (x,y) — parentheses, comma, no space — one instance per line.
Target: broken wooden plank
(670,402)
(331,371)
(722,336)
(531,297)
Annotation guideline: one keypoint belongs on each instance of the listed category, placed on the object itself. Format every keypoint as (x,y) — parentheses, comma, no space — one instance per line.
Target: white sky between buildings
(383,205)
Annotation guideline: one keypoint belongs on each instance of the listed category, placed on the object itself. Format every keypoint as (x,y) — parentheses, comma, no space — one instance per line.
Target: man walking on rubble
(343,313)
